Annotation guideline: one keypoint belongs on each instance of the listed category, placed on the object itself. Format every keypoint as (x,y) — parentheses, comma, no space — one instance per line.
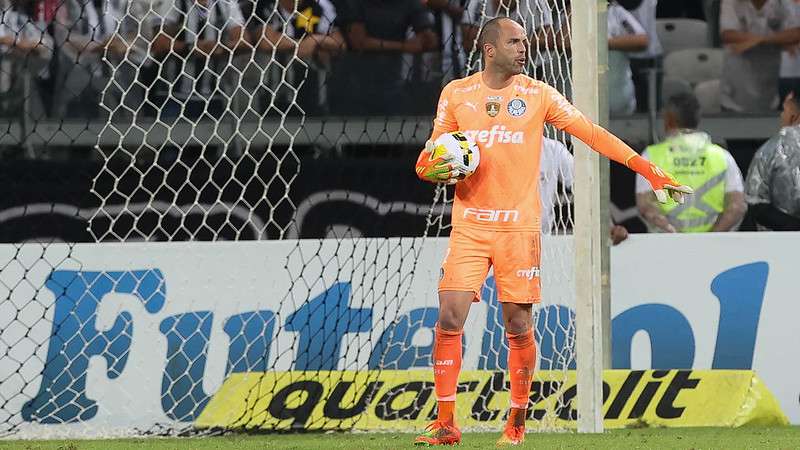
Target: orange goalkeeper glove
(662,183)
(436,165)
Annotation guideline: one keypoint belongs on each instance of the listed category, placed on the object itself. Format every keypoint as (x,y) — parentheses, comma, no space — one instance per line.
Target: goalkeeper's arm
(560,112)
(605,143)
(435,164)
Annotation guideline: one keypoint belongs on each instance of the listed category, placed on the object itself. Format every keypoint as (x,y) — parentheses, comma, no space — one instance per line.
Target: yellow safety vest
(697,162)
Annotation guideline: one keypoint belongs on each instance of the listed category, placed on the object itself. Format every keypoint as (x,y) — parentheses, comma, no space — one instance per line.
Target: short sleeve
(728,20)
(559,112)
(733,176)
(445,120)
(642,186)
(622,23)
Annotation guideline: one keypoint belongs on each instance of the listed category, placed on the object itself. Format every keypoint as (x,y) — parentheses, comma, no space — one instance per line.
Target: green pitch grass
(645,438)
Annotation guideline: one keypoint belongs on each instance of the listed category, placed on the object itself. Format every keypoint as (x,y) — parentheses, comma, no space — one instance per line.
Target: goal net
(223,121)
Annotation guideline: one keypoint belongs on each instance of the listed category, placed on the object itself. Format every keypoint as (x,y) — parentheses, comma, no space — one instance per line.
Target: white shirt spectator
(645,14)
(790,64)
(556,165)
(87,22)
(750,79)
(790,60)
(622,95)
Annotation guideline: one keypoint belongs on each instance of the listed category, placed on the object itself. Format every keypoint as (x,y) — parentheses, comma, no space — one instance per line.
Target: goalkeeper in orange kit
(497,211)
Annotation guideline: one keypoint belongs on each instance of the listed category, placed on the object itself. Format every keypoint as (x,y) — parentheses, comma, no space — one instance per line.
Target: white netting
(202,105)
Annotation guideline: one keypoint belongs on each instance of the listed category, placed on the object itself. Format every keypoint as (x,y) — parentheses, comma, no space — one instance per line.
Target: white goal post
(590,64)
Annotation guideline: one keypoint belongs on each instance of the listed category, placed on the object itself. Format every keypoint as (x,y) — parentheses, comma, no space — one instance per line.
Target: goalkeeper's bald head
(503,44)
(491,32)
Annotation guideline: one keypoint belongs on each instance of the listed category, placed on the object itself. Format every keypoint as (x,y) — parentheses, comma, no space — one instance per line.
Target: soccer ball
(462,149)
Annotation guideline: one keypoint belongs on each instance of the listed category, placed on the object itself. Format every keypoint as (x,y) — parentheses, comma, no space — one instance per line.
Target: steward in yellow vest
(694,160)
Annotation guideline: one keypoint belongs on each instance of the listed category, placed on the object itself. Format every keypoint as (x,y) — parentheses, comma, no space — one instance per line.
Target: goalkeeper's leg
(453,310)
(516,272)
(517,318)
(463,271)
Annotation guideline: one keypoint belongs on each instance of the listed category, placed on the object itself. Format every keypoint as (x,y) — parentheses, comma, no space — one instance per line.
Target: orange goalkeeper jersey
(507,124)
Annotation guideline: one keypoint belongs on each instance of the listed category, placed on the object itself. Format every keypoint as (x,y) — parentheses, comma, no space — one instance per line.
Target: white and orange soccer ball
(460,149)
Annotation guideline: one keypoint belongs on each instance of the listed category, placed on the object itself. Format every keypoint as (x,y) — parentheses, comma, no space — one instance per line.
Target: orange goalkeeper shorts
(515,256)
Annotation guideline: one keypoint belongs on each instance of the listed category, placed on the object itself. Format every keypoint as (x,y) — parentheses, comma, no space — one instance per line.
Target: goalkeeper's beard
(508,68)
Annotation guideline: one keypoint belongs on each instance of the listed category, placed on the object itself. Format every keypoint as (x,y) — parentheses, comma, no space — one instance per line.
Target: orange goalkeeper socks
(516,417)
(521,362)
(447,411)
(446,366)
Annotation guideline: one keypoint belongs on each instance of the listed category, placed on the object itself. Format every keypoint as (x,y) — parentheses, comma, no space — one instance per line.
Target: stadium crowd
(367,57)
(195,59)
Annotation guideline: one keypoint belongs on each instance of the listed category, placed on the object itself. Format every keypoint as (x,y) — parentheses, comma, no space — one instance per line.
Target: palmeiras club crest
(517,107)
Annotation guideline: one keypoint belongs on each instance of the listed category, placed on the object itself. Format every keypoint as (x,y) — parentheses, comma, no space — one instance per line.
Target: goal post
(591,196)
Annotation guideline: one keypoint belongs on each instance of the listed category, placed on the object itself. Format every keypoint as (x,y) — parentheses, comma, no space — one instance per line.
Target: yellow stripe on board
(405,400)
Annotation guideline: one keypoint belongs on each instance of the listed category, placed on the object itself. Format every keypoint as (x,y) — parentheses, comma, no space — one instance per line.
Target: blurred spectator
(718,202)
(625,35)
(773,181)
(556,167)
(99,40)
(618,233)
(789,77)
(754,31)
(45,14)
(646,62)
(711,10)
(89,35)
(307,26)
(195,47)
(447,16)
(26,48)
(23,36)
(369,80)
(554,55)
